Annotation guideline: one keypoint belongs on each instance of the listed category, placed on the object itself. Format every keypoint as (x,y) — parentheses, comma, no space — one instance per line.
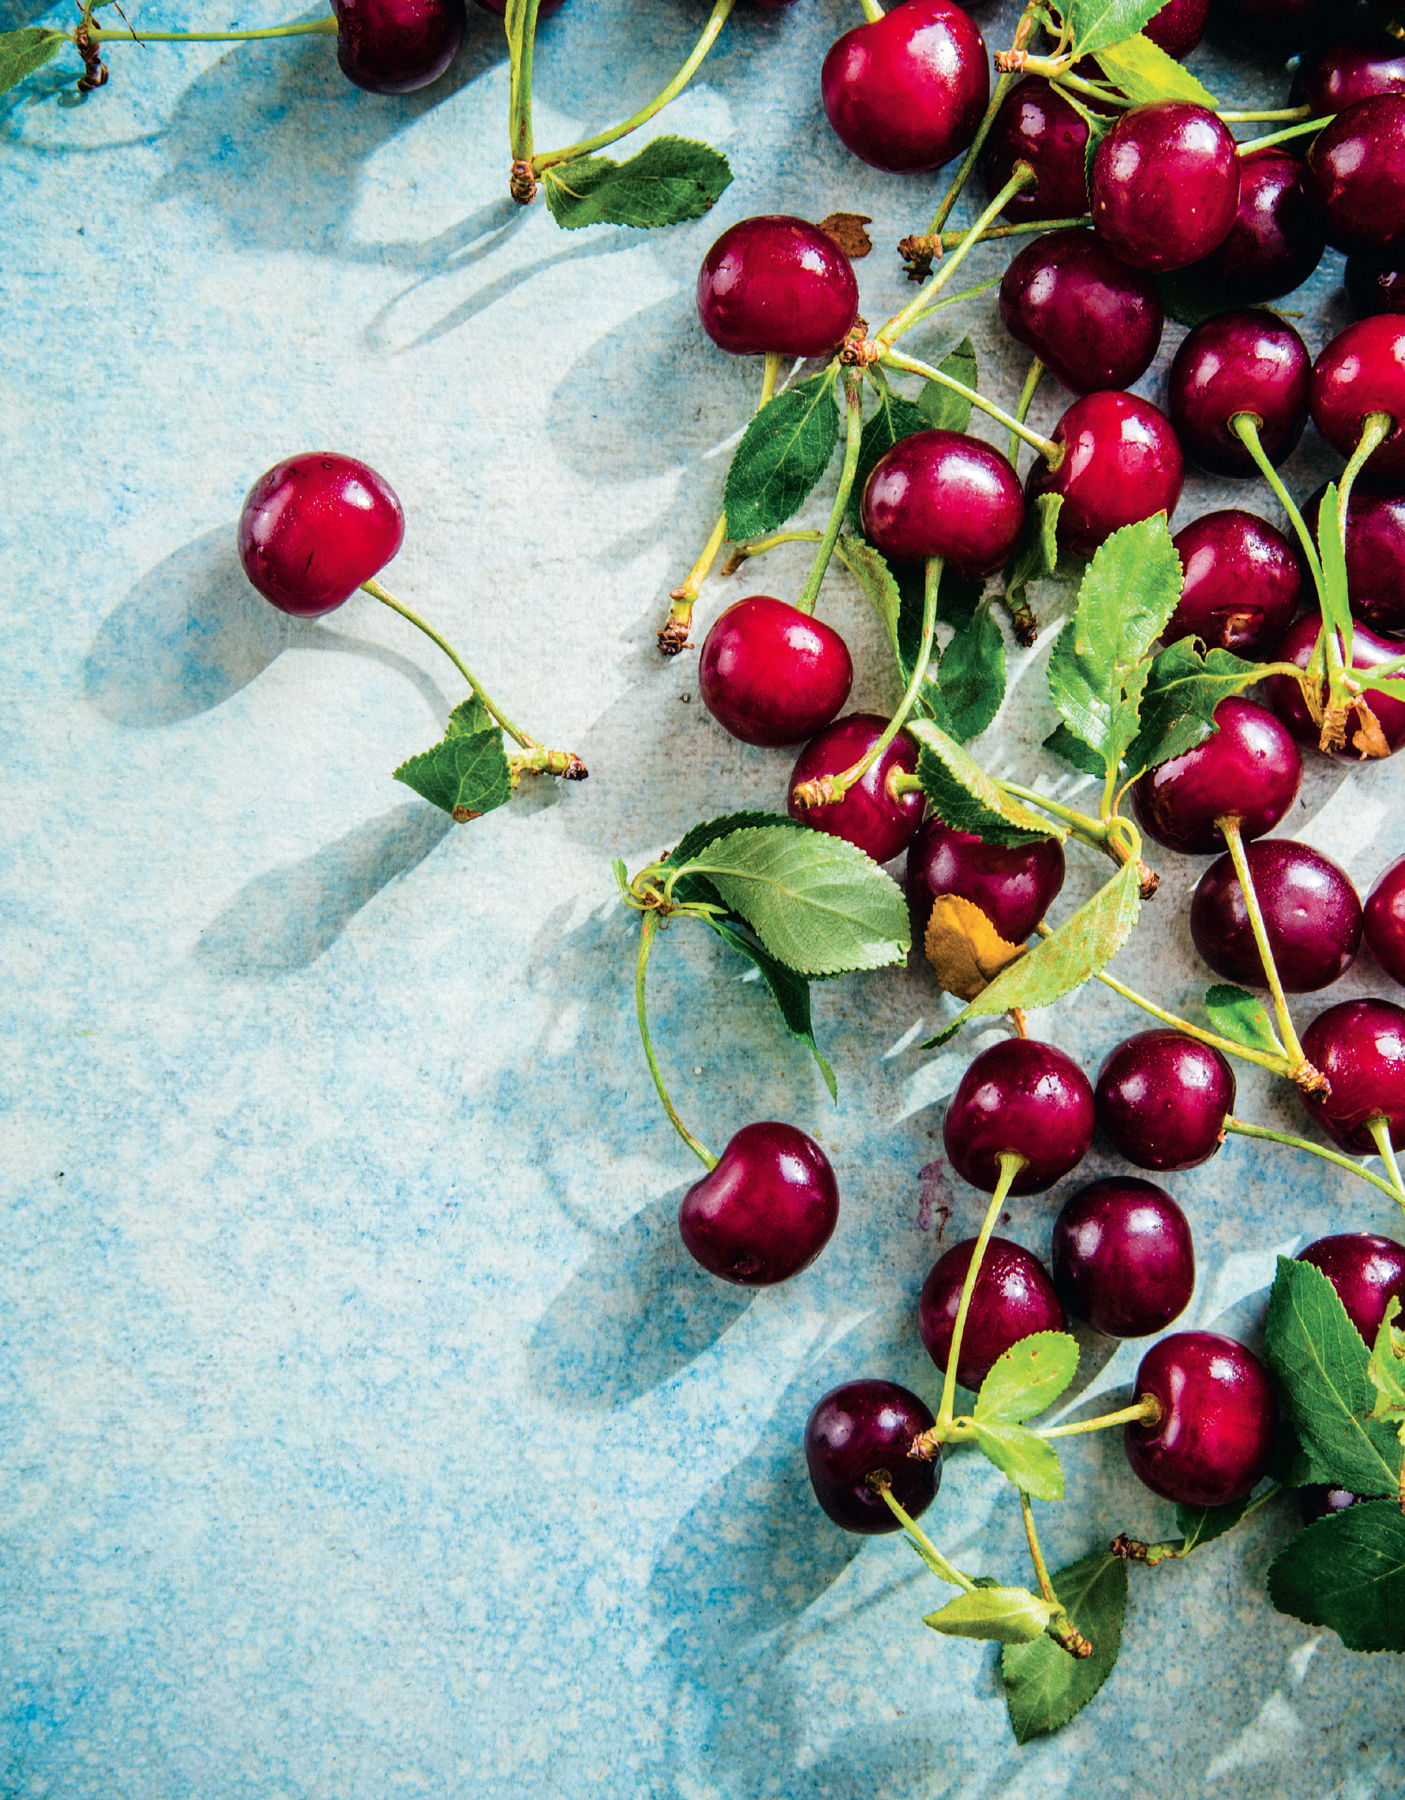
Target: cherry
(1036,125)
(1277,238)
(1165,185)
(1311,912)
(1375,551)
(1339,74)
(879,823)
(765,1211)
(1362,371)
(1384,919)
(1162,1099)
(1014,885)
(1091,319)
(1239,362)
(1213,1440)
(774,283)
(1356,173)
(1317,1502)
(942,493)
(1012,1299)
(1025,1097)
(314,527)
(1123,1257)
(1121,463)
(1242,582)
(906,92)
(855,1431)
(1285,695)
(1250,770)
(1359,1046)
(397,46)
(1366,1271)
(1375,280)
(772,675)
(1178,27)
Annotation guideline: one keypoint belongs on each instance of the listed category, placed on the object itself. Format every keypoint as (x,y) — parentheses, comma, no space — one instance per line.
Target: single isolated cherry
(942,493)
(858,1430)
(772,675)
(1375,551)
(1249,770)
(775,283)
(765,1211)
(314,527)
(1359,1046)
(1375,280)
(1356,173)
(906,92)
(1121,463)
(1014,885)
(1036,125)
(1241,586)
(1277,238)
(1162,1099)
(1024,1097)
(1092,320)
(1285,695)
(1384,919)
(1311,912)
(397,46)
(1349,69)
(1213,1440)
(1164,189)
(1123,1257)
(1362,371)
(1366,1271)
(1178,27)
(1239,362)
(880,823)
(1012,1299)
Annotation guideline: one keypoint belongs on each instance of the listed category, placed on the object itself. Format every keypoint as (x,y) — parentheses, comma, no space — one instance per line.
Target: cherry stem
(1245,427)
(872,11)
(1287,114)
(648,926)
(377,592)
(1229,828)
(1010,1165)
(112,35)
(853,434)
(1242,1128)
(916,311)
(1064,79)
(1026,400)
(1374,432)
(1279,1065)
(1176,1549)
(950,239)
(1050,451)
(1147,1411)
(1282,137)
(520,24)
(1379,1129)
(1061,1628)
(716,20)
(997,98)
(759,546)
(921,1543)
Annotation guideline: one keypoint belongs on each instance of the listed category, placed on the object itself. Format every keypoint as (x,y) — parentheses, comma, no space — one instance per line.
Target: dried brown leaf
(964,947)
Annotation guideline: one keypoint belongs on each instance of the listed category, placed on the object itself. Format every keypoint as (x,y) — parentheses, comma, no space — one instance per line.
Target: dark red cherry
(314,527)
(1375,552)
(1241,585)
(1366,1271)
(1318,1502)
(1239,362)
(1213,1440)
(767,1209)
(1375,280)
(942,493)
(1178,27)
(1384,920)
(869,816)
(907,91)
(1277,238)
(774,283)
(1356,173)
(1014,885)
(1036,125)
(853,1432)
(1359,1046)
(1165,185)
(1339,74)
(1162,1099)
(1362,371)
(772,675)
(1025,1097)
(1121,463)
(1285,695)
(1311,911)
(1091,319)
(397,46)
(1123,1257)
(1250,770)
(1012,1299)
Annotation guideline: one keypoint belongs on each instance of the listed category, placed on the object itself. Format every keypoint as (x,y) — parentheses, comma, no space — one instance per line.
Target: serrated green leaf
(1179,701)
(670,180)
(26,51)
(1027,1460)
(791,992)
(783,454)
(966,797)
(1044,1685)
(1097,23)
(1037,558)
(1386,1368)
(942,409)
(1239,1015)
(1145,73)
(698,837)
(998,1615)
(1072,749)
(467,774)
(971,676)
(1203,1524)
(1027,1379)
(1347,1572)
(894,420)
(871,571)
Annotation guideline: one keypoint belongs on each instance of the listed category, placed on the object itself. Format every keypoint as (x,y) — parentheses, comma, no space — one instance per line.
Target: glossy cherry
(906,92)
(774,283)
(1375,280)
(1362,371)
(1162,1099)
(1014,885)
(1121,463)
(1277,238)
(1340,73)
(314,527)
(772,675)
(1384,920)
(1012,1299)
(1359,1046)
(1250,770)
(1366,1271)
(869,816)
(1164,188)
(1285,695)
(1092,320)
(1375,551)
(1178,27)
(854,1431)
(1215,1434)
(1036,125)
(1241,586)
(397,46)
(942,493)
(1311,912)
(765,1211)
(1123,1257)
(1239,362)
(1025,1097)
(1356,172)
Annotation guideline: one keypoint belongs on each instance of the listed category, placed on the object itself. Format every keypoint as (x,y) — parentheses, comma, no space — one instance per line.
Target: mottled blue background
(367,1430)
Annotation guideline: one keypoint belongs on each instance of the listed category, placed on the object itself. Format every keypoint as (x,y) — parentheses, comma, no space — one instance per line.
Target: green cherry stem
(1282,137)
(917,309)
(922,1544)
(1278,1065)
(997,99)
(853,434)
(1242,1128)
(1050,451)
(872,11)
(1374,432)
(1229,828)
(950,239)
(1147,1411)
(1061,1628)
(1177,1549)
(648,926)
(1010,1166)
(1285,115)
(128,34)
(520,24)
(1026,400)
(1380,1131)
(759,546)
(1245,427)
(1066,80)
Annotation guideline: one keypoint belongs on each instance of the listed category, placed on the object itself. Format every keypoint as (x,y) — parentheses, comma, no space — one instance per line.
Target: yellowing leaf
(964,947)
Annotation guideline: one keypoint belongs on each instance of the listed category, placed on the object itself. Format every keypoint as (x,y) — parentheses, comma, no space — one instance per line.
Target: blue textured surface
(367,1429)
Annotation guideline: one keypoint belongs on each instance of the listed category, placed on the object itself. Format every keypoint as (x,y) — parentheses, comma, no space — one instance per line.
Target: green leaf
(1072,749)
(1145,73)
(1097,23)
(1318,1355)
(1203,1524)
(1188,297)
(1347,1572)
(941,408)
(817,904)
(1336,609)
(894,420)
(467,774)
(1098,127)
(1026,1459)
(998,1614)
(791,992)
(1179,701)
(783,454)
(966,797)
(873,575)
(1029,1377)
(24,52)
(971,676)
(671,179)
(1239,1015)
(1386,1369)
(700,836)
(1044,1685)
